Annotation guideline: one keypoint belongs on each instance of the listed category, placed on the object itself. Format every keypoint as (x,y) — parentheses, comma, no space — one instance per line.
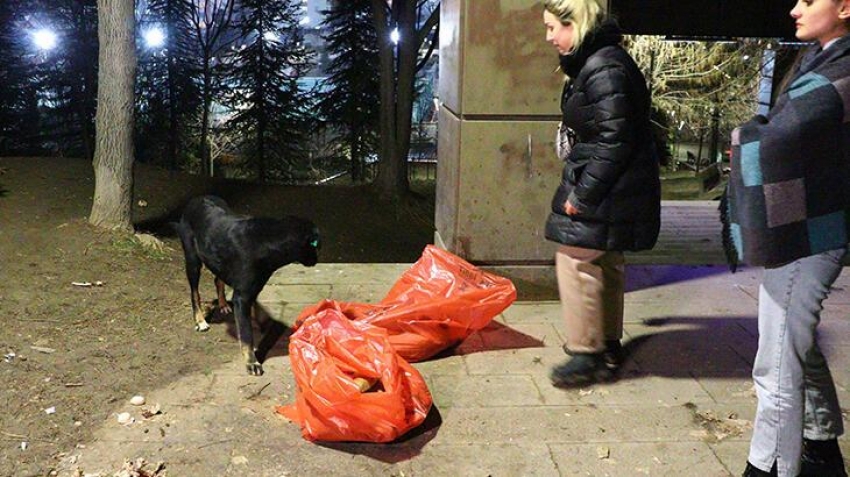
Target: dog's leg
(241,312)
(193,274)
(199,312)
(223,306)
(272,334)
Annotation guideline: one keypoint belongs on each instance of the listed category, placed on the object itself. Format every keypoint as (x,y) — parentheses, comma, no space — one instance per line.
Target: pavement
(683,404)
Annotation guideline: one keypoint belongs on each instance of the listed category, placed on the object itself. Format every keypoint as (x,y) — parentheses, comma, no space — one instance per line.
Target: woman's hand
(569,208)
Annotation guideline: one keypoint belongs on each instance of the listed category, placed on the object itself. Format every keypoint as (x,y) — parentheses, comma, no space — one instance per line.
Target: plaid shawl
(788,191)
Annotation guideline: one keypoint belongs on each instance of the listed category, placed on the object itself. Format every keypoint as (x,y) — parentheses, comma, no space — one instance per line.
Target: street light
(154,37)
(45,39)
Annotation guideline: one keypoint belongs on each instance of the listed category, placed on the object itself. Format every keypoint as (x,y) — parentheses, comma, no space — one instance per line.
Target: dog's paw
(202,326)
(254,369)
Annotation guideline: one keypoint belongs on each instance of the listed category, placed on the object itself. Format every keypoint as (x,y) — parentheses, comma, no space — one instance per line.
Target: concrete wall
(500,108)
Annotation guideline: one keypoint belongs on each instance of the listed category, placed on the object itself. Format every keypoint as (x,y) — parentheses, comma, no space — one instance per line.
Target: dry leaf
(151,411)
(603,452)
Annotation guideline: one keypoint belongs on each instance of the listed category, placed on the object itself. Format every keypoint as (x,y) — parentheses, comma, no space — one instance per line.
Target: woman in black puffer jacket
(609,199)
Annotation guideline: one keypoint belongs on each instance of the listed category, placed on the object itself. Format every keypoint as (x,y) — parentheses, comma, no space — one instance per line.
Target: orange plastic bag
(435,304)
(329,355)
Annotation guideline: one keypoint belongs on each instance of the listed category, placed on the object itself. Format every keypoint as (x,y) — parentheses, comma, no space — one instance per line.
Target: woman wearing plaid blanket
(789,208)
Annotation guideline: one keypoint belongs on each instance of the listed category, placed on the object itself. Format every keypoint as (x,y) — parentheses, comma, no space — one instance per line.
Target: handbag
(565,139)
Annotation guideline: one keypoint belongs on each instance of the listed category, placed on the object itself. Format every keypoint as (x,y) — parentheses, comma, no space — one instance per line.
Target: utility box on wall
(499,92)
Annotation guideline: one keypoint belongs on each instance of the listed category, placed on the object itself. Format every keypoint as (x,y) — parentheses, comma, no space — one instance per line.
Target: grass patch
(142,245)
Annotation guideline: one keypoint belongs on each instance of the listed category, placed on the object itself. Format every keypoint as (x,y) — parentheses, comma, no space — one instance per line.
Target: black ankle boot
(822,459)
(752,471)
(614,354)
(581,369)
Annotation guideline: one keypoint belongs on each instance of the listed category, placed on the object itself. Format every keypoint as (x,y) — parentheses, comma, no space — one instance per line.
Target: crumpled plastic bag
(437,303)
(331,358)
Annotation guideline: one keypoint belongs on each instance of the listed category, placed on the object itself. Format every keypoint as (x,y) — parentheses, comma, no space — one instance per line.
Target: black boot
(614,354)
(581,369)
(752,471)
(822,459)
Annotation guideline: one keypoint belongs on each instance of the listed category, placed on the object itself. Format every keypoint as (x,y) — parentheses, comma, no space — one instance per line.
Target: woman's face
(821,20)
(558,34)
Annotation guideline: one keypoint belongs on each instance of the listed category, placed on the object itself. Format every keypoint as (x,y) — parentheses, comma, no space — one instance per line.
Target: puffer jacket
(611,175)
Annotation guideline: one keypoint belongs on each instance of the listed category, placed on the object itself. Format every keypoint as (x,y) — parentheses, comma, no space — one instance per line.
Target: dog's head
(309,255)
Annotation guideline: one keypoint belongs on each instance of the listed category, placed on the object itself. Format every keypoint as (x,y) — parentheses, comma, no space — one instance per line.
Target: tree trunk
(398,66)
(113,155)
(204,153)
(408,53)
(387,167)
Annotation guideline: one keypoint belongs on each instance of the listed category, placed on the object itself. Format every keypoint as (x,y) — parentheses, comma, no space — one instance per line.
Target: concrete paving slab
(691,347)
(637,459)
(733,455)
(497,459)
(295,293)
(631,391)
(452,365)
(520,335)
(385,274)
(359,292)
(485,391)
(534,312)
(730,389)
(566,424)
(530,361)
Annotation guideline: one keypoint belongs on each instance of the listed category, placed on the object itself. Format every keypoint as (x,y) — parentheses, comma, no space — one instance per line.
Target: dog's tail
(185,234)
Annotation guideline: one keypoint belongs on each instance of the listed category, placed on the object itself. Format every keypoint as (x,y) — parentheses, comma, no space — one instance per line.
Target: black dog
(242,252)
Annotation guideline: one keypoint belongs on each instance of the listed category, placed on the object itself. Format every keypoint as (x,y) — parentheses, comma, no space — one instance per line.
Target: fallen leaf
(151,411)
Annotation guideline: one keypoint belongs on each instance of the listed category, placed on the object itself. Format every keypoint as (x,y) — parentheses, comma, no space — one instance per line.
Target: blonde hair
(583,14)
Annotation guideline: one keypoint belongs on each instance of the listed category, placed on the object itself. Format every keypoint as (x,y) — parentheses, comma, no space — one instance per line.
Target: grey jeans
(796,394)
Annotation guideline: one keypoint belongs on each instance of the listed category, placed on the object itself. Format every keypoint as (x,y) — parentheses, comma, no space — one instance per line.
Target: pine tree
(270,108)
(168,102)
(66,77)
(351,102)
(18,106)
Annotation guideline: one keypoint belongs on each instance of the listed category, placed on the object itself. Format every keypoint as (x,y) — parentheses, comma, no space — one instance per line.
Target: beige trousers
(591,284)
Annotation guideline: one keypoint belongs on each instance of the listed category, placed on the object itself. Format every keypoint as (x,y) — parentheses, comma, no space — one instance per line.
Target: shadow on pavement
(693,348)
(494,336)
(271,336)
(640,277)
(404,448)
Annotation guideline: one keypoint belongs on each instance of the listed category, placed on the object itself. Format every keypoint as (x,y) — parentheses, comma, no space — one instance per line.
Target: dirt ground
(91,316)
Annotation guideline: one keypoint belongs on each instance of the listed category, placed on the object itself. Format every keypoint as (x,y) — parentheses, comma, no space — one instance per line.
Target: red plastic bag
(329,355)
(435,304)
